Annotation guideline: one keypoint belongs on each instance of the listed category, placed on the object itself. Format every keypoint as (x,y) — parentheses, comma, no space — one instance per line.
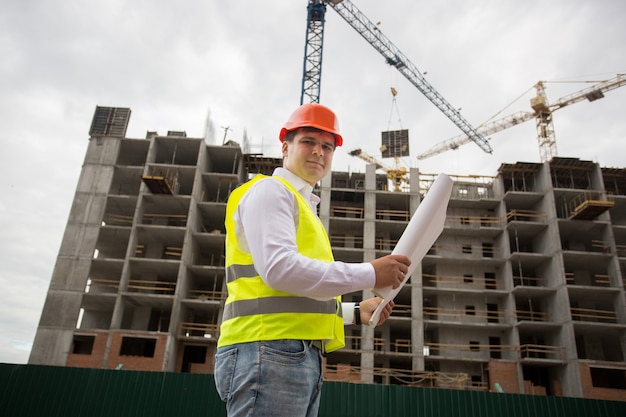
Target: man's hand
(367,308)
(390,270)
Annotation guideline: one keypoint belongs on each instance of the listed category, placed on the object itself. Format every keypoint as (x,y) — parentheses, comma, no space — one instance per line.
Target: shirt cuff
(347,310)
(363,276)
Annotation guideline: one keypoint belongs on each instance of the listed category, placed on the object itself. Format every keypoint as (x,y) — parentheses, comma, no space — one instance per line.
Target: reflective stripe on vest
(239,271)
(254,311)
(270,305)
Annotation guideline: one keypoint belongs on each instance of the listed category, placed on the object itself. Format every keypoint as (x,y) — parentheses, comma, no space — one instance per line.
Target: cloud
(173,63)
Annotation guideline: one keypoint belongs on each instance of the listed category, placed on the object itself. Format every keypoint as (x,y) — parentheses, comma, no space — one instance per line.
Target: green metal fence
(32,390)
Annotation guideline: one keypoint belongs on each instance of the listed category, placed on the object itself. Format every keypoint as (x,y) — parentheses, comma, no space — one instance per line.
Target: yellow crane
(399,175)
(542,113)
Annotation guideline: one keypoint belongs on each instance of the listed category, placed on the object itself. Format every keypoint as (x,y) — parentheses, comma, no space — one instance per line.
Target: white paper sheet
(419,236)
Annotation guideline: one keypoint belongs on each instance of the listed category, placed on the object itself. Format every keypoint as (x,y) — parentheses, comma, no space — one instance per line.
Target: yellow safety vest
(253,310)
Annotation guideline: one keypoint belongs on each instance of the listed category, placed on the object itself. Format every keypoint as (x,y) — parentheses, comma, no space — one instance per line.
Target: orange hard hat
(313,115)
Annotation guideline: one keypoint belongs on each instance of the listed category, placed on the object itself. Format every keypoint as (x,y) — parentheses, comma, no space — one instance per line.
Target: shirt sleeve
(266,225)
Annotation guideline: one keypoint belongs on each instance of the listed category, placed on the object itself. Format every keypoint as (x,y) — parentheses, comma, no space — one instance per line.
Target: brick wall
(136,362)
(504,373)
(532,389)
(589,391)
(93,360)
(208,367)
(342,373)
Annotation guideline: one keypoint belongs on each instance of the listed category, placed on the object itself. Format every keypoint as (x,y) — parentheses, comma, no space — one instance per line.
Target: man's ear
(285,145)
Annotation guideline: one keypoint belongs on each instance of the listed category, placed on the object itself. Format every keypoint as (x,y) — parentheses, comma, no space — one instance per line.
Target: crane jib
(541,109)
(313,57)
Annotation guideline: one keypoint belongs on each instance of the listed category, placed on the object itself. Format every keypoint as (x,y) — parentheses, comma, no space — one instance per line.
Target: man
(284,288)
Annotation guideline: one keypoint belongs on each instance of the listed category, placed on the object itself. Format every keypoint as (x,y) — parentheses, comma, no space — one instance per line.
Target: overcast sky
(173,63)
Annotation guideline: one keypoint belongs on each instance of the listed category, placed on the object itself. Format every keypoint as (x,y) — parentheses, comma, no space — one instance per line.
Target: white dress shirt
(266,220)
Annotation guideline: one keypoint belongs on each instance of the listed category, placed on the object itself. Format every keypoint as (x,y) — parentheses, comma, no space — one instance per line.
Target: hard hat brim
(338,137)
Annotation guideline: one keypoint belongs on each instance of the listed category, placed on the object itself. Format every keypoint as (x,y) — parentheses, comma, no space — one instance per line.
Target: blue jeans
(270,378)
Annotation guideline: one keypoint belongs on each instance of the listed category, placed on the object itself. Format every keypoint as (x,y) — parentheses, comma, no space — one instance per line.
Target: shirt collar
(299,184)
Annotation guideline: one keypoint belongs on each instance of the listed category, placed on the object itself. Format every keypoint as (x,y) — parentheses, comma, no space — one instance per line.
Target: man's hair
(289,136)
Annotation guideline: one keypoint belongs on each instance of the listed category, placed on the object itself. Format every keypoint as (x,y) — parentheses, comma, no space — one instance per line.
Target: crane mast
(542,113)
(393,56)
(544,123)
(312,68)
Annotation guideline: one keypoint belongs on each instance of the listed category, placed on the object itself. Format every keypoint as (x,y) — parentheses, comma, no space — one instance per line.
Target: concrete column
(54,336)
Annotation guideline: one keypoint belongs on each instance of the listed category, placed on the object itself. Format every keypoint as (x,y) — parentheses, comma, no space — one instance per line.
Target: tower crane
(542,113)
(398,176)
(312,69)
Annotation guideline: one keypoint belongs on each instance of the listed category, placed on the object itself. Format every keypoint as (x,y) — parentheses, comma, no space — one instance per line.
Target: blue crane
(312,69)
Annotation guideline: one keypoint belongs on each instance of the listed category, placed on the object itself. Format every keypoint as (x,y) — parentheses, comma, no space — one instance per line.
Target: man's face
(309,155)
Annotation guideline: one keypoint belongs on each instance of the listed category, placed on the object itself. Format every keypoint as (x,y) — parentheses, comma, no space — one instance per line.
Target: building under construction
(523,292)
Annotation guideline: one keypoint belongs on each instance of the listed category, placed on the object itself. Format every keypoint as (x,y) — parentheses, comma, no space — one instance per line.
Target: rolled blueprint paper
(419,236)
